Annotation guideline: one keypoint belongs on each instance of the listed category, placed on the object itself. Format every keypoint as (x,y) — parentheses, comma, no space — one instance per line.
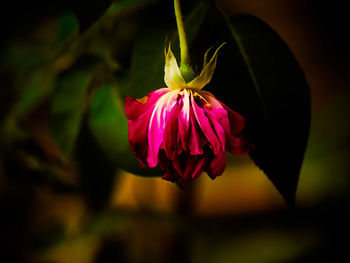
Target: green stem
(182,33)
(185,67)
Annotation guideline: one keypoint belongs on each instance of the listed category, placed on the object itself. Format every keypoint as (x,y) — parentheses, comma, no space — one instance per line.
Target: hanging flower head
(182,127)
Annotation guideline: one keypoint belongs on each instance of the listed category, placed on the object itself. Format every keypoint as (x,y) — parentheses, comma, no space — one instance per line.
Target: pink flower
(183,128)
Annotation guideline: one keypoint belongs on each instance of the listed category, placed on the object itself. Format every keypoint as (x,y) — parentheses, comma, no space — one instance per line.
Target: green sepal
(207,72)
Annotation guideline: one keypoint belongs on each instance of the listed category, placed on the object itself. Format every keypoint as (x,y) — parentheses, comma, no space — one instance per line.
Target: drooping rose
(183,128)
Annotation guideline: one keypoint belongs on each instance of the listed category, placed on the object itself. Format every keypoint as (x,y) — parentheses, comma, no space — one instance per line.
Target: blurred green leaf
(36,86)
(109,125)
(269,89)
(69,24)
(96,173)
(33,89)
(147,69)
(68,103)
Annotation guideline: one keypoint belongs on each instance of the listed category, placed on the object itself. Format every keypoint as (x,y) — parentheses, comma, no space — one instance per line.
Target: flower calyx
(175,76)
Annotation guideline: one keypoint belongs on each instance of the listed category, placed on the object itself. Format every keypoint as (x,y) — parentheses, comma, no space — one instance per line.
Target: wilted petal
(139,112)
(237,122)
(231,121)
(156,126)
(184,119)
(183,167)
(194,166)
(206,126)
(196,139)
(138,138)
(219,130)
(136,107)
(215,109)
(236,144)
(216,165)
(170,174)
(171,137)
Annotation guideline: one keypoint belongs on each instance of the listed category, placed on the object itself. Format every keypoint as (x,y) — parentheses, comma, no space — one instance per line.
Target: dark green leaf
(109,126)
(269,89)
(147,70)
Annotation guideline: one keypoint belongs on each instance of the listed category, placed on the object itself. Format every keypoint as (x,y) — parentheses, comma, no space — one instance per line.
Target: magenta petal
(138,136)
(138,139)
(237,145)
(184,120)
(136,107)
(220,132)
(194,166)
(184,166)
(237,122)
(139,113)
(196,138)
(227,117)
(167,166)
(217,165)
(232,122)
(219,115)
(234,144)
(206,126)
(169,176)
(179,165)
(185,131)
(173,169)
(157,125)
(170,137)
